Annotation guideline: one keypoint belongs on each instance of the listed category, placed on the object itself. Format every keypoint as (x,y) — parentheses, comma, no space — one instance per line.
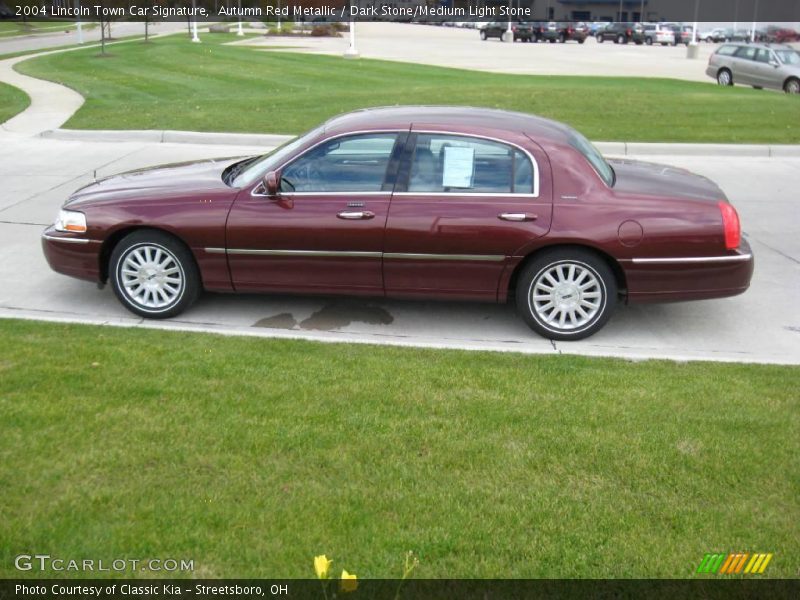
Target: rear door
(743,66)
(462,206)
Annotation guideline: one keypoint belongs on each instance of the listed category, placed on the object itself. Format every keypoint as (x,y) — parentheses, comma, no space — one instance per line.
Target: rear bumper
(72,254)
(689,278)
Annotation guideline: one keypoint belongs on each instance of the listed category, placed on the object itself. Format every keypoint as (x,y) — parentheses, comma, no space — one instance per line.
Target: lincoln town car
(412,202)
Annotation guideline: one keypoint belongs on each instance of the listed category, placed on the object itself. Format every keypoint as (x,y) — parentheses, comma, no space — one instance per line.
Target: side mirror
(270,182)
(774,63)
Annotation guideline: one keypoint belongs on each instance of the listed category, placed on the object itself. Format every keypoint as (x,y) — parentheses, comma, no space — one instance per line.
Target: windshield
(253,169)
(788,57)
(592,154)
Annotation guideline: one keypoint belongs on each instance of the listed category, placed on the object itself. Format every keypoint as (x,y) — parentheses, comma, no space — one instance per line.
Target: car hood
(650,179)
(157,182)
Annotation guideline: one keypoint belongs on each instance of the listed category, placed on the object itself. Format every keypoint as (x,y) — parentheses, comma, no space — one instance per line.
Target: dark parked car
(563,32)
(495,29)
(683,34)
(622,33)
(412,202)
(523,31)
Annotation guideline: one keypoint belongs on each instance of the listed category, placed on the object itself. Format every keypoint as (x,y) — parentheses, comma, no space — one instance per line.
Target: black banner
(416,589)
(424,11)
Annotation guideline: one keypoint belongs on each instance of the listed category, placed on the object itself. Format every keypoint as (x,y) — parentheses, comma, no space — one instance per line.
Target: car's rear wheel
(483,35)
(792,86)
(566,294)
(621,39)
(600,39)
(724,77)
(648,41)
(154,275)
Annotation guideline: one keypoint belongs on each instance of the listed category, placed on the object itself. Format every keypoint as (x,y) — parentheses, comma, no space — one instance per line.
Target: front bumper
(72,254)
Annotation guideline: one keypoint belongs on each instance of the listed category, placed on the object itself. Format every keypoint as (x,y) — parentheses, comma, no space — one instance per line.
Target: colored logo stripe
(729,564)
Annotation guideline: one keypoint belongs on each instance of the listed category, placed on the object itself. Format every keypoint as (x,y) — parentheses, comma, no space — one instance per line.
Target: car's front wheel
(792,86)
(154,275)
(483,35)
(621,39)
(566,294)
(600,39)
(724,77)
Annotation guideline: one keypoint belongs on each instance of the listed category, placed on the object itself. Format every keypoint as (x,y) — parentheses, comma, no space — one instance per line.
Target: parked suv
(563,32)
(759,65)
(622,33)
(495,29)
(523,31)
(656,33)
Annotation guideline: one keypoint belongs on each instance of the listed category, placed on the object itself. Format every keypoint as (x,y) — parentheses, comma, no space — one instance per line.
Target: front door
(462,207)
(324,232)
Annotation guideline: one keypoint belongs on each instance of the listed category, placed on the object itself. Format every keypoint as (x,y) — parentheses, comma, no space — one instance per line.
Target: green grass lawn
(251,456)
(12,101)
(174,84)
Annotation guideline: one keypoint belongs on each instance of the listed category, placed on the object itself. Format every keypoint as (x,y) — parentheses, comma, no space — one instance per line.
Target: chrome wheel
(724,77)
(567,296)
(793,86)
(151,277)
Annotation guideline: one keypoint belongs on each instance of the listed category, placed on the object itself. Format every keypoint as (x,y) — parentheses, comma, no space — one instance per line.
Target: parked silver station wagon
(760,65)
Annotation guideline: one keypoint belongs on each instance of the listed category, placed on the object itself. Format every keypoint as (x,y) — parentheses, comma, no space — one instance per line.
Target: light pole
(240,31)
(508,36)
(351,51)
(755,16)
(194,23)
(692,51)
(619,12)
(79,24)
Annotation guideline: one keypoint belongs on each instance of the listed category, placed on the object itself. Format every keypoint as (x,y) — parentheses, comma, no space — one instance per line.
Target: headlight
(69,220)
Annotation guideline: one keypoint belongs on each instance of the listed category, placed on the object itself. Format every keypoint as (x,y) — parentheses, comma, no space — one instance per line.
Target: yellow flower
(322,565)
(349,582)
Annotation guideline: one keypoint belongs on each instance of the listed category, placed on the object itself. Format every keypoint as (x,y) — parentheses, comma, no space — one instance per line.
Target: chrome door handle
(355,214)
(517,216)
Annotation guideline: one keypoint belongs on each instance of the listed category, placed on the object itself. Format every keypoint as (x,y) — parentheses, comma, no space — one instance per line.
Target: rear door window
(466,165)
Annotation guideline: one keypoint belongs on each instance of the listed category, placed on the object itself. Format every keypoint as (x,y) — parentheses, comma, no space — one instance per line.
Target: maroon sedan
(412,202)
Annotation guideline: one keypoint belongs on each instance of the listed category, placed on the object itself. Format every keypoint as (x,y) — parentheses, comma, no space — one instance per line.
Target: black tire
(562,38)
(483,35)
(185,293)
(724,77)
(792,86)
(649,41)
(601,285)
(580,41)
(621,39)
(600,39)
(552,40)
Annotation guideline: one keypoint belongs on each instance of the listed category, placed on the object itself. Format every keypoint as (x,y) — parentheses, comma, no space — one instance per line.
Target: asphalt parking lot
(762,325)
(462,48)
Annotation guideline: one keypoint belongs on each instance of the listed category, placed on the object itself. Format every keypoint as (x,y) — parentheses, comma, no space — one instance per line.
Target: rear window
(592,154)
(746,52)
(727,50)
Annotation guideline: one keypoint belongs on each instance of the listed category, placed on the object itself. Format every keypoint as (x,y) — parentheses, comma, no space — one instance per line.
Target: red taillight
(730,225)
(628,32)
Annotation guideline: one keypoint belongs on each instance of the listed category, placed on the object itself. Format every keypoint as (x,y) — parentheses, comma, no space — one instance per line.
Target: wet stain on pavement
(341,314)
(281,321)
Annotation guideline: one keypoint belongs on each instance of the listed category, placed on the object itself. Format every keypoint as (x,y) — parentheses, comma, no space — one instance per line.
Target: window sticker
(459,165)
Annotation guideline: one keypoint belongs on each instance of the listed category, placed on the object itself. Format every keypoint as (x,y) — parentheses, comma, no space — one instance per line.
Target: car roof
(460,118)
(760,45)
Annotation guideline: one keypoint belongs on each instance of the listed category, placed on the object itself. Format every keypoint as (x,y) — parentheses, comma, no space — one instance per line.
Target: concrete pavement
(762,325)
(462,48)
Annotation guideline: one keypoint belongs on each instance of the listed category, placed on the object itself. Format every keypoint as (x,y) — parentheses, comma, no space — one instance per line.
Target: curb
(271,140)
(166,137)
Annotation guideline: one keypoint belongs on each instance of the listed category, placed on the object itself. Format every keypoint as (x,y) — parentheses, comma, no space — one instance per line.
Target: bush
(324,31)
